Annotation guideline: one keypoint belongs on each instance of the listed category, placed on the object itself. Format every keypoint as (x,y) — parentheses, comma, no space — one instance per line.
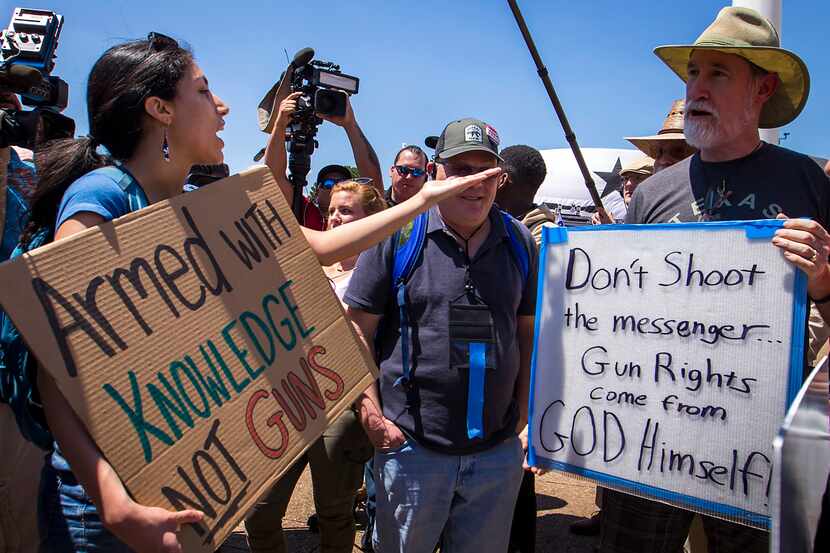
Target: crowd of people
(437,273)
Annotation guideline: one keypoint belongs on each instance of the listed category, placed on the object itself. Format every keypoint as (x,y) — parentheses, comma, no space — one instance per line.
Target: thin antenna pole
(560,113)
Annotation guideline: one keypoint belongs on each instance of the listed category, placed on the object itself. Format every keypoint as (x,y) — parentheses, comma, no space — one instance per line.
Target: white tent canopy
(564,184)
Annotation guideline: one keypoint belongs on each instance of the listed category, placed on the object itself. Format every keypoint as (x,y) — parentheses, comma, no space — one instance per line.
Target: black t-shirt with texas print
(769,181)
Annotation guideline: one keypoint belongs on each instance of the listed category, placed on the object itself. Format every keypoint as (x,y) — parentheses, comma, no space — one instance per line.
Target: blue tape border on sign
(549,236)
(754,229)
(659,493)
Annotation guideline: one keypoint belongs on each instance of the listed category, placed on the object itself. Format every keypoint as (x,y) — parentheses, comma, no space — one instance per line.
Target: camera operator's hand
(287,108)
(344,121)
(365,157)
(437,190)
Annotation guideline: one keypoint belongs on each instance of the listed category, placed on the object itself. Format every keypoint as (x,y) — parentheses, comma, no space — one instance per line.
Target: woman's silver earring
(165,147)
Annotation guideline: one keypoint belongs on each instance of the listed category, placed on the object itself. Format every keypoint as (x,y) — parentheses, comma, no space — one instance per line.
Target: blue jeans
(68,519)
(470,498)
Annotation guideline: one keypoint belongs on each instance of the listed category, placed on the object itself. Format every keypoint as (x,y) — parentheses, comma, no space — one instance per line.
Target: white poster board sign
(665,357)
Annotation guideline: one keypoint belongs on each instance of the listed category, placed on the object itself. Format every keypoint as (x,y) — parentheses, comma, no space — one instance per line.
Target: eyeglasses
(329,183)
(461,170)
(158,42)
(403,171)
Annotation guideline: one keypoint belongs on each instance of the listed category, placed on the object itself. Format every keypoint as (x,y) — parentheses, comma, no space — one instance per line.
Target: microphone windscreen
(303,57)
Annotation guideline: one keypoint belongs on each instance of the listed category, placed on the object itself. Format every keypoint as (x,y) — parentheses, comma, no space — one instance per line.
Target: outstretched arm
(346,241)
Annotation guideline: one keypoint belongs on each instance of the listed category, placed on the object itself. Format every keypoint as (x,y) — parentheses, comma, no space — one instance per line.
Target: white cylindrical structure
(771,9)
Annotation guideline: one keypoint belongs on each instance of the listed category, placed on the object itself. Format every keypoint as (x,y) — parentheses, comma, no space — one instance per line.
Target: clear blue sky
(424,63)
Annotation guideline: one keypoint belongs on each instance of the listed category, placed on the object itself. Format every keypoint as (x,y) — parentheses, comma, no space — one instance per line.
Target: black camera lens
(330,102)
(325,104)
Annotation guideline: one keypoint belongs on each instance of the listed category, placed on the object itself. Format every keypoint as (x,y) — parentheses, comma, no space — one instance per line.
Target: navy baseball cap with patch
(339,169)
(467,135)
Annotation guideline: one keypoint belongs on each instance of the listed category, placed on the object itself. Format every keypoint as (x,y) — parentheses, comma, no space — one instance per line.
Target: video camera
(27,57)
(325,90)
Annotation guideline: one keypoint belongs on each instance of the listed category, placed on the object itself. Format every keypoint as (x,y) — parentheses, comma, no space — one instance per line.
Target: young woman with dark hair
(150,106)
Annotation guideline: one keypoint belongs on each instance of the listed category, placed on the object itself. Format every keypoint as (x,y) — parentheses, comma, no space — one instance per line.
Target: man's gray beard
(703,135)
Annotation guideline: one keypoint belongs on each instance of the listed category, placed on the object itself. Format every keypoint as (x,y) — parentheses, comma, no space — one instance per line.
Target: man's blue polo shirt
(433,412)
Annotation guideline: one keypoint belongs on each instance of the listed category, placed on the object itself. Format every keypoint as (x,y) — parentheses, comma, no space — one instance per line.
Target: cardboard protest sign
(198,340)
(665,357)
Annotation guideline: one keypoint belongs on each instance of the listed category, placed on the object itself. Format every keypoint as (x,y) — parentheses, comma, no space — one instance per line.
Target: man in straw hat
(669,145)
(632,174)
(737,79)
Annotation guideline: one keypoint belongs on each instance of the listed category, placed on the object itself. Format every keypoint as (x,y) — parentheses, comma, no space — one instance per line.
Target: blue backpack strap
(475,389)
(135,194)
(519,251)
(408,244)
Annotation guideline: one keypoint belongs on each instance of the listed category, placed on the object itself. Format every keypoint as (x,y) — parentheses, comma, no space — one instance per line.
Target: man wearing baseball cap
(737,80)
(453,341)
(632,174)
(327,177)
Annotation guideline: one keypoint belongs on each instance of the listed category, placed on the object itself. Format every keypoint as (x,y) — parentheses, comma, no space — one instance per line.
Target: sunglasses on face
(403,171)
(329,183)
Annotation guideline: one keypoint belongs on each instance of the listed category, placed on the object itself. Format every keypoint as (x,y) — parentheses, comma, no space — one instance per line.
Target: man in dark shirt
(737,80)
(444,417)
(524,172)
(408,174)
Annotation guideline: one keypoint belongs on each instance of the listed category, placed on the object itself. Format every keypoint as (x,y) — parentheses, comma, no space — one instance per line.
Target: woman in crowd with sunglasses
(150,106)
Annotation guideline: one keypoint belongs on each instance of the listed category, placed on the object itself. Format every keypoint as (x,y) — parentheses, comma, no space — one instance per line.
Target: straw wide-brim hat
(744,32)
(641,166)
(672,130)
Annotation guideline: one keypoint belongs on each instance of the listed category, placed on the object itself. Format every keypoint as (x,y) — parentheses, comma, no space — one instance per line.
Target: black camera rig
(27,57)
(325,90)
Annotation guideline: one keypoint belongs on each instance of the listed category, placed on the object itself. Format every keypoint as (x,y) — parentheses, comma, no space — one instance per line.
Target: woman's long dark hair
(119,83)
